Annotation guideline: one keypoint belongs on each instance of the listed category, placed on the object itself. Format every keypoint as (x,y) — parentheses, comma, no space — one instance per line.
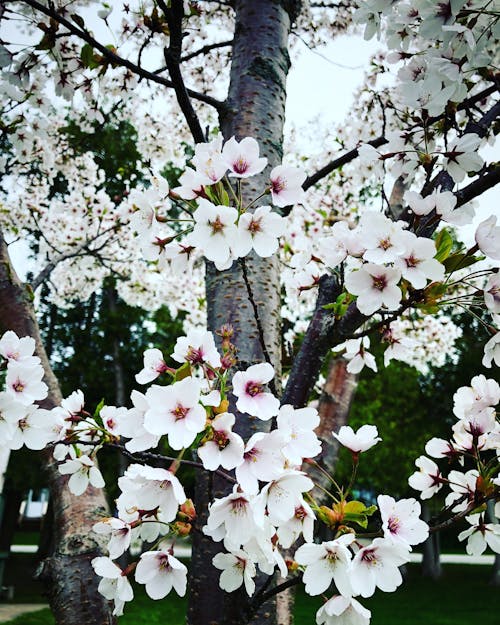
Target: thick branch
(316,343)
(172,55)
(114,58)
(479,186)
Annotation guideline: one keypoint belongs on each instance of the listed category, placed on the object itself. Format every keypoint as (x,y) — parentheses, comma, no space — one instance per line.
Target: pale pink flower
(297,427)
(243,158)
(340,242)
(480,535)
(260,231)
(237,568)
(428,479)
(377,566)
(327,562)
(286,185)
(160,572)
(382,238)
(35,429)
(375,286)
(208,159)
(197,348)
(149,488)
(120,535)
(262,460)
(357,354)
(214,231)
(225,448)
(462,157)
(362,440)
(283,494)
(302,522)
(114,586)
(491,293)
(488,237)
(463,487)
(175,410)
(482,393)
(25,382)
(340,610)
(18,349)
(154,366)
(248,387)
(83,472)
(439,448)
(131,425)
(235,518)
(417,262)
(191,184)
(400,520)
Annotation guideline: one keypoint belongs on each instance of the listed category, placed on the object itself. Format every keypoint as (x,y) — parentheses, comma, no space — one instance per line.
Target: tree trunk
(431,563)
(70,580)
(256,108)
(333,407)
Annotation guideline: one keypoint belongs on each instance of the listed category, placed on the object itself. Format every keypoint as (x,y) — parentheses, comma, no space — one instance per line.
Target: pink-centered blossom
(286,185)
(327,562)
(237,569)
(260,231)
(214,231)
(83,472)
(175,410)
(160,571)
(18,349)
(197,348)
(154,366)
(262,460)
(375,286)
(242,158)
(25,382)
(248,387)
(401,520)
(225,447)
(356,352)
(428,479)
(480,535)
(120,534)
(377,566)
(114,585)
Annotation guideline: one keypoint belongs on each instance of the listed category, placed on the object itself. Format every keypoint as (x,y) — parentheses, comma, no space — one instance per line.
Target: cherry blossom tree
(387,270)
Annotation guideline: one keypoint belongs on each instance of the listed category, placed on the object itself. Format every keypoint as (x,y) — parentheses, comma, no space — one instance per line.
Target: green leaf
(457,261)
(87,55)
(444,243)
(99,407)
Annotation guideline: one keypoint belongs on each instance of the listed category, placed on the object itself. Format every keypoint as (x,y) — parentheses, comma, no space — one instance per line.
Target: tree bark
(68,575)
(255,107)
(431,563)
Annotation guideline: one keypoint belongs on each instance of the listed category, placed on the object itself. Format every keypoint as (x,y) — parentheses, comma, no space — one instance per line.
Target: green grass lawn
(462,597)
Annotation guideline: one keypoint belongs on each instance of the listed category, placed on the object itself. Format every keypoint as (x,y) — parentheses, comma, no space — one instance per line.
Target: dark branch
(114,58)
(172,55)
(339,162)
(317,341)
(482,184)
(205,49)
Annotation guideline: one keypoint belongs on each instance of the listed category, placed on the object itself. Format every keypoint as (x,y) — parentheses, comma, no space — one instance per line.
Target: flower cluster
(219,224)
(475,443)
